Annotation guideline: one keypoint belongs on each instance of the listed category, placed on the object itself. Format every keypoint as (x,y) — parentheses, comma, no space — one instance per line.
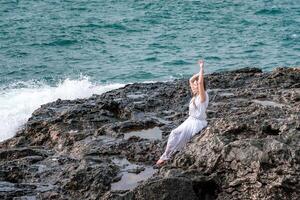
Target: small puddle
(218,89)
(136,96)
(44,187)
(241,99)
(7,186)
(106,139)
(226,94)
(161,120)
(131,177)
(40,168)
(28,197)
(268,103)
(151,134)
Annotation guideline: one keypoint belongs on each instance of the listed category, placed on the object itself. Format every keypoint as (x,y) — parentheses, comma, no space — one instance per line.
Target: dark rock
(250,149)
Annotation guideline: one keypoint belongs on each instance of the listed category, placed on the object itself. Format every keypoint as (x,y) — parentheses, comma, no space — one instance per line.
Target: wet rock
(136,170)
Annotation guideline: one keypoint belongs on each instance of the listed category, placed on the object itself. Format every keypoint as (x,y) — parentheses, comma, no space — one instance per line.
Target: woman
(196,120)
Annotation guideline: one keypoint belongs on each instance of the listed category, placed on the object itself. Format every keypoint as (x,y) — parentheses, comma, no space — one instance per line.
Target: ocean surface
(71,49)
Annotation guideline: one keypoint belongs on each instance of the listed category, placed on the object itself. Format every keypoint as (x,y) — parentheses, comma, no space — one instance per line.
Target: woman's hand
(201,63)
(201,90)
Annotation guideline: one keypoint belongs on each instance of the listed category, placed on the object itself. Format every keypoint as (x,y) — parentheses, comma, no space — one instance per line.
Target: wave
(18,101)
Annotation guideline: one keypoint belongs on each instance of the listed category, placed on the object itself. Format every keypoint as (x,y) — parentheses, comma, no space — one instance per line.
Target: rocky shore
(104,147)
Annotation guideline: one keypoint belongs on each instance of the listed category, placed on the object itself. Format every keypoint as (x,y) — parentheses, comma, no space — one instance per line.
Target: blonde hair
(194,95)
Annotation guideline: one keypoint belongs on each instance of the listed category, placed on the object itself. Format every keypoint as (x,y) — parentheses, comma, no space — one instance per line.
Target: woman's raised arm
(201,90)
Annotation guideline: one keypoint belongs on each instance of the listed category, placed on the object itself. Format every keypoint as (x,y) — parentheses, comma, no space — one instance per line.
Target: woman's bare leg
(177,139)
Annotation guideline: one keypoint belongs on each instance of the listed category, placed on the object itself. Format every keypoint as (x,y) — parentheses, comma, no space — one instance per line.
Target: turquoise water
(126,41)
(71,49)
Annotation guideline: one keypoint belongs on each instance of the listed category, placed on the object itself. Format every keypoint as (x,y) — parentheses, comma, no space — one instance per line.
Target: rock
(136,170)
(250,149)
(166,188)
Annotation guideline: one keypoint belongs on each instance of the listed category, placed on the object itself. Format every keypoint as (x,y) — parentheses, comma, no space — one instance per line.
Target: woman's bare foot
(160,162)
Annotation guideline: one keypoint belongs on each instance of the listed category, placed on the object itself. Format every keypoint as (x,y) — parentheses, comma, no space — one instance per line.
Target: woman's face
(195,87)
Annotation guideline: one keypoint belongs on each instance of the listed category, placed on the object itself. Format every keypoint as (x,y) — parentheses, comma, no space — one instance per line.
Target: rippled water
(121,41)
(44,43)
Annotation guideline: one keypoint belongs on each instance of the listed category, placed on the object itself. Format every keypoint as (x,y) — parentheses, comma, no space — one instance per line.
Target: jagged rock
(250,149)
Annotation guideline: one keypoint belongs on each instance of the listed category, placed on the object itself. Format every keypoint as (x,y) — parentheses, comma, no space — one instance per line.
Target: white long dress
(191,126)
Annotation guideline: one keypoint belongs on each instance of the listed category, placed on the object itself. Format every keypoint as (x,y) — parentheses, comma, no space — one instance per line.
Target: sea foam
(17,104)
